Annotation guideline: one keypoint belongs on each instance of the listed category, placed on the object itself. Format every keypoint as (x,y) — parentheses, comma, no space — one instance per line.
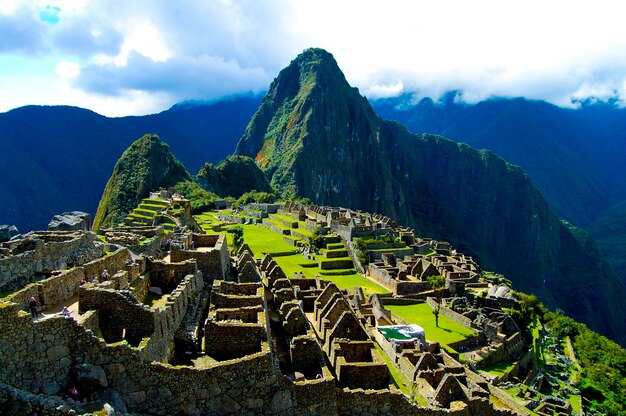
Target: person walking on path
(32,304)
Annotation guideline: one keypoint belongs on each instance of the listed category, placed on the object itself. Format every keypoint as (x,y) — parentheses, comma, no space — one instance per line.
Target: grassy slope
(422,315)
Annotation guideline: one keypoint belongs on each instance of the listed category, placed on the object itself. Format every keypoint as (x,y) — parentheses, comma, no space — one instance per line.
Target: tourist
(105,275)
(65,312)
(32,303)
(95,281)
(83,281)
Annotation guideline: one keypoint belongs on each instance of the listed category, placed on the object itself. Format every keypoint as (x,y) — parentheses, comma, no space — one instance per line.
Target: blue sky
(120,57)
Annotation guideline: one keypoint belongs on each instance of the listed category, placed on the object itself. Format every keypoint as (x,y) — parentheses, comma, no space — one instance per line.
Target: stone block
(281,402)
(65,362)
(135,397)
(57,352)
(92,375)
(38,347)
(51,388)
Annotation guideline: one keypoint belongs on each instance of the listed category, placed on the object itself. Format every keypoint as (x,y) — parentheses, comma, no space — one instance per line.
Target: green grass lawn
(499,369)
(352,280)
(262,240)
(422,315)
(283,217)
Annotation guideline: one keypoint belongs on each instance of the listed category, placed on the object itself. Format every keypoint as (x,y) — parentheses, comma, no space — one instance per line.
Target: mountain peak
(146,165)
(314,136)
(309,104)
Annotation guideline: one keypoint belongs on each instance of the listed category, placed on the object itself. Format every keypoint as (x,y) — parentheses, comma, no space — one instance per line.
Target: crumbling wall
(213,264)
(50,251)
(306,355)
(38,357)
(112,263)
(168,275)
(225,340)
(167,319)
(117,315)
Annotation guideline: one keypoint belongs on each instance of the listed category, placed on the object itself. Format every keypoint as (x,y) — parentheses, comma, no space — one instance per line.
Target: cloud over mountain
(136,56)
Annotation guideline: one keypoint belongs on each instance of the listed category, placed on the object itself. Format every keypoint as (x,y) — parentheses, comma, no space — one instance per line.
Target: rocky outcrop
(8,231)
(73,220)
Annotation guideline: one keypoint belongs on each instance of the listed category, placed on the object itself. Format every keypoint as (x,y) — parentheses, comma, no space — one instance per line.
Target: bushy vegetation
(199,199)
(524,311)
(603,363)
(237,232)
(146,165)
(255,197)
(233,177)
(316,240)
(360,249)
(379,239)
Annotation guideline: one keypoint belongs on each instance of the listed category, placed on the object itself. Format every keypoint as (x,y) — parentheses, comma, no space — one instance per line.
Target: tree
(437,283)
(237,232)
(316,240)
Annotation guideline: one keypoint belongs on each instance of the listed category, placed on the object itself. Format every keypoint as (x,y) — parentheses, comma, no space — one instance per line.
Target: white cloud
(67,71)
(159,52)
(384,90)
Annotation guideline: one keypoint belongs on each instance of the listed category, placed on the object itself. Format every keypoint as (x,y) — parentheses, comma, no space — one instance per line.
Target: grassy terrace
(499,369)
(422,315)
(262,240)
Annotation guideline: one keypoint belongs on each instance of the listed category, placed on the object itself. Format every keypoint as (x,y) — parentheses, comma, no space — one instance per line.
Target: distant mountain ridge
(317,137)
(575,156)
(59,158)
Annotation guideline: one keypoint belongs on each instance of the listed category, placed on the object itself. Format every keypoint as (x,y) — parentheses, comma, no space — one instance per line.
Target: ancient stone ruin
(173,323)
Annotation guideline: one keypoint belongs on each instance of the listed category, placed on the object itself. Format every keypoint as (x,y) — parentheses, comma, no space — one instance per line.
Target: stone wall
(213,264)
(117,315)
(168,275)
(335,264)
(19,402)
(51,251)
(511,347)
(111,262)
(42,348)
(397,287)
(226,340)
(52,347)
(267,208)
(139,286)
(168,318)
(362,374)
(306,355)
(205,240)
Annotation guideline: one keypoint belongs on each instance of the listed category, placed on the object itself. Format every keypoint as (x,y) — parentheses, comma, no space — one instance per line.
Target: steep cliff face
(316,137)
(148,164)
(233,177)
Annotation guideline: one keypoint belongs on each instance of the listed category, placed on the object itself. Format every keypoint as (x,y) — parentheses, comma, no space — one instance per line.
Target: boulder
(90,377)
(112,399)
(72,220)
(156,290)
(7,232)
